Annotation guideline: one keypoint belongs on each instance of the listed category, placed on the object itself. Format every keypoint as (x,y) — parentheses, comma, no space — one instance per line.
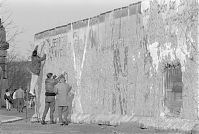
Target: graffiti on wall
(120,61)
(116,64)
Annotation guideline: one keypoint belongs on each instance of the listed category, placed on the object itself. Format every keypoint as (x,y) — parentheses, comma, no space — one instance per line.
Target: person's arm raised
(36,48)
(43,58)
(57,79)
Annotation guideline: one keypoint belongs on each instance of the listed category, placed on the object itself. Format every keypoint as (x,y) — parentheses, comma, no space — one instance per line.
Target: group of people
(57,90)
(15,100)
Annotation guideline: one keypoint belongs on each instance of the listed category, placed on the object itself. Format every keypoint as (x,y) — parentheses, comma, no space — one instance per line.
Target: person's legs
(60,114)
(31,103)
(68,113)
(52,110)
(14,103)
(47,105)
(21,104)
(33,83)
(7,104)
(17,104)
(65,113)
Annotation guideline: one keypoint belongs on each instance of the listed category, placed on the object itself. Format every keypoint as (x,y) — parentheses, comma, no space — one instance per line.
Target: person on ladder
(35,69)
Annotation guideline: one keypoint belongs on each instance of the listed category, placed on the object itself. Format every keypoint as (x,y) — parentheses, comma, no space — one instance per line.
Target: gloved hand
(54,76)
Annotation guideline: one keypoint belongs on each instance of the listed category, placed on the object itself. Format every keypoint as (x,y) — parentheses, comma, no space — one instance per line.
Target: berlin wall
(115,61)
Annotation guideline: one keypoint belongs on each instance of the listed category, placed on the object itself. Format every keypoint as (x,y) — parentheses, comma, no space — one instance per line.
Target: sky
(33,16)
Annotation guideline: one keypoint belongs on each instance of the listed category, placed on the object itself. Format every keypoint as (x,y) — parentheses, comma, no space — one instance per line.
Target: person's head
(7,90)
(62,79)
(49,75)
(34,53)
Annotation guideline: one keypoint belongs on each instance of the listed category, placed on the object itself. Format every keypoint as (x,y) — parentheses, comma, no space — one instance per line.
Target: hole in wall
(173,87)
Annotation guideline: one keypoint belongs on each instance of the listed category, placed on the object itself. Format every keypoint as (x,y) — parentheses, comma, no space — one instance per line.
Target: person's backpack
(9,98)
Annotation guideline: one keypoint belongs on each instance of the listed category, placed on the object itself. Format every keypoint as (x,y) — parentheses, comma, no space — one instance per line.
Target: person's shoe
(32,93)
(66,123)
(61,123)
(52,122)
(43,122)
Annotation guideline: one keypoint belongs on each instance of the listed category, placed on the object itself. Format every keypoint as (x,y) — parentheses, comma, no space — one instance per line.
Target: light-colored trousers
(33,83)
(8,105)
(33,87)
(63,111)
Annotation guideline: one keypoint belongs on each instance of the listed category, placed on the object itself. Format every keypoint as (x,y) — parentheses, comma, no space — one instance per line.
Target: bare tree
(18,75)
(12,29)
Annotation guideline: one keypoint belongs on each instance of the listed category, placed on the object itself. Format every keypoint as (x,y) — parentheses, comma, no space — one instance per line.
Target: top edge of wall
(133,8)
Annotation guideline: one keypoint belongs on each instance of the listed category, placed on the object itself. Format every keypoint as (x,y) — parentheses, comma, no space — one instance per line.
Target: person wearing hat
(35,68)
(50,94)
(62,99)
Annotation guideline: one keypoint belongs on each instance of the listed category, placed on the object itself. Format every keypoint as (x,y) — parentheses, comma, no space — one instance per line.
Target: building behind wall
(136,60)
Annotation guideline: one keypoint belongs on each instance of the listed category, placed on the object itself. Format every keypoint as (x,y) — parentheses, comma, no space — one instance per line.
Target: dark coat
(35,64)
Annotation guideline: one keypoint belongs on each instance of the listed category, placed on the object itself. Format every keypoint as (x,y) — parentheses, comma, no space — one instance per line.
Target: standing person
(14,99)
(62,99)
(20,99)
(35,68)
(50,83)
(7,97)
(31,102)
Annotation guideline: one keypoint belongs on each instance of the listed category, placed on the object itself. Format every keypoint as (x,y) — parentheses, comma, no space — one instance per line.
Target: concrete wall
(110,69)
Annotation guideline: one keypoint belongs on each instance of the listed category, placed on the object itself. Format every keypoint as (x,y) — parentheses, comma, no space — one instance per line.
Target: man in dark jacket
(50,83)
(35,68)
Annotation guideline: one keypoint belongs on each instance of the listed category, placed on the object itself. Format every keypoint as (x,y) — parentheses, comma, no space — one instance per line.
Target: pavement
(14,115)
(167,123)
(7,119)
(13,122)
(23,127)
